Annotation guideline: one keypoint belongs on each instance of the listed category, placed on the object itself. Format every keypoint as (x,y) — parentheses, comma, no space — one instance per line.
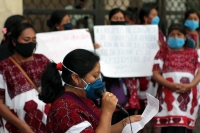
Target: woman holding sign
(176,68)
(59,20)
(72,109)
(20,108)
(125,89)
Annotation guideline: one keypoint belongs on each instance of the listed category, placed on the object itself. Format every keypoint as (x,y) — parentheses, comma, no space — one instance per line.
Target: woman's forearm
(159,78)
(104,125)
(117,128)
(9,116)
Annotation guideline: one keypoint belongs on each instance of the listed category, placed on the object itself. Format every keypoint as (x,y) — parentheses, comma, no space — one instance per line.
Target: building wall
(9,7)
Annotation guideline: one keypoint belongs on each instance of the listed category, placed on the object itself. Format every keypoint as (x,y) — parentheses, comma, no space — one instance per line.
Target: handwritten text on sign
(55,45)
(127,51)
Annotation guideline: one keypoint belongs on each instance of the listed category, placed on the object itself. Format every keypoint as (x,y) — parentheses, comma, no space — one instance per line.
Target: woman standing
(192,19)
(176,68)
(59,20)
(20,107)
(10,23)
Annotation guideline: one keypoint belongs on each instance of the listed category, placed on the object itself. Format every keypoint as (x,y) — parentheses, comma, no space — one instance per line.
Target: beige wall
(9,7)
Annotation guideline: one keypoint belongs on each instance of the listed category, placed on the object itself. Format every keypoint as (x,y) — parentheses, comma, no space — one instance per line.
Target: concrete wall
(9,7)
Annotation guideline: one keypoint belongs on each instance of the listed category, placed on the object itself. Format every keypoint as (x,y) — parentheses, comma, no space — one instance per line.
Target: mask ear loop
(78,75)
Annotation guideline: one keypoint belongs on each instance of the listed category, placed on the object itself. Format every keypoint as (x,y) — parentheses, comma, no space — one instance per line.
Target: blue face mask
(155,20)
(92,87)
(191,24)
(175,43)
(68,26)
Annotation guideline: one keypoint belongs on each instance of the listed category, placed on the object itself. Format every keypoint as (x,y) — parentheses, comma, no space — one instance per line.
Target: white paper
(150,111)
(56,45)
(127,51)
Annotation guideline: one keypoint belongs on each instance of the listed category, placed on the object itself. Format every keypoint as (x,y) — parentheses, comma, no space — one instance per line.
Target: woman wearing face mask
(10,22)
(149,15)
(192,19)
(59,20)
(116,17)
(71,107)
(20,108)
(125,89)
(176,68)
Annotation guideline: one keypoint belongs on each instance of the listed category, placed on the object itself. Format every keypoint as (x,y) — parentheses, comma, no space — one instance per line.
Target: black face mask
(68,26)
(78,7)
(117,22)
(25,49)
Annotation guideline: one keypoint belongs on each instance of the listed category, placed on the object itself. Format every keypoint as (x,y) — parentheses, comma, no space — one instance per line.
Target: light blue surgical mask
(191,24)
(175,43)
(89,88)
(155,20)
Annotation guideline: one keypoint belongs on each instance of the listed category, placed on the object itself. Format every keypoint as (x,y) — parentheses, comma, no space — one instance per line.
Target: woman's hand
(109,102)
(160,44)
(174,87)
(133,118)
(96,46)
(25,129)
(183,88)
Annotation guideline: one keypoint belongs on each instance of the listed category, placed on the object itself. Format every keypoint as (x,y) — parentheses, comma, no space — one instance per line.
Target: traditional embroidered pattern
(177,109)
(20,96)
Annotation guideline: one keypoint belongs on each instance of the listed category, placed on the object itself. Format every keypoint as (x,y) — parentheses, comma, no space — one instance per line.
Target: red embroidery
(182,121)
(33,117)
(194,100)
(184,98)
(16,81)
(133,101)
(144,81)
(178,61)
(66,113)
(169,98)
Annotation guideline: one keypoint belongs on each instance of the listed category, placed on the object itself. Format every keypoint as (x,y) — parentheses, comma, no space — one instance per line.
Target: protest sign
(127,51)
(55,45)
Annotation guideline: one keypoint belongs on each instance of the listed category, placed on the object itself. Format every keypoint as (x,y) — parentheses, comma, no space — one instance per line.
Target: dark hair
(80,61)
(114,11)
(11,22)
(191,11)
(15,33)
(56,18)
(145,11)
(179,27)
(131,13)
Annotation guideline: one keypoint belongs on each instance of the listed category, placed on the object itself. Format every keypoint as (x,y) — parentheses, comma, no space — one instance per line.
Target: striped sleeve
(83,127)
